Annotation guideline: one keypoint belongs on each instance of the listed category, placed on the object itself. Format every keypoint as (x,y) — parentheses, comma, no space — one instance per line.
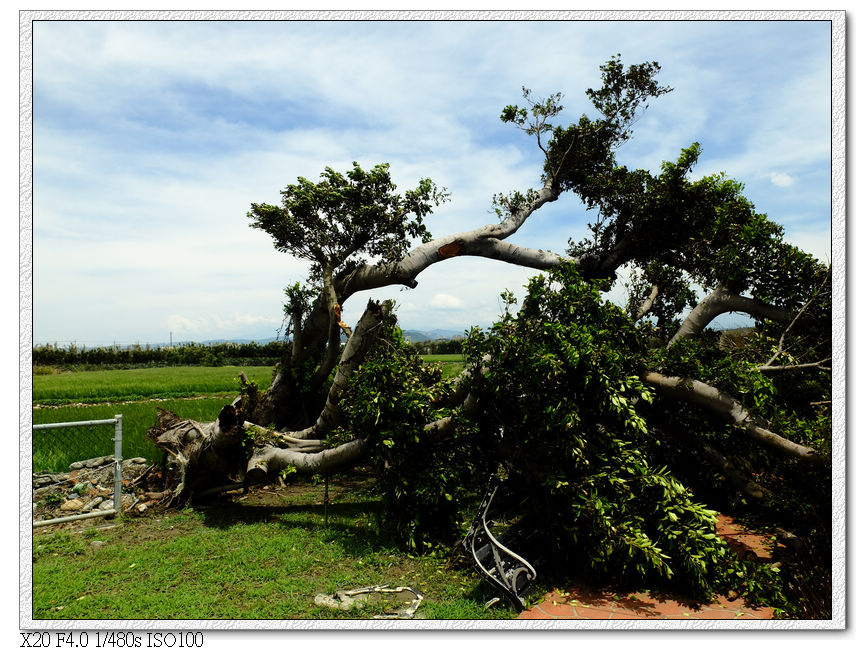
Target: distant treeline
(187,354)
(440,346)
(191,354)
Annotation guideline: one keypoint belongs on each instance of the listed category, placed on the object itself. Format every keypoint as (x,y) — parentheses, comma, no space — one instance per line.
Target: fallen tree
(609,419)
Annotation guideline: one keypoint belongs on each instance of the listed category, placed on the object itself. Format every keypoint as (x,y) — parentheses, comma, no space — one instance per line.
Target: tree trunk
(208,454)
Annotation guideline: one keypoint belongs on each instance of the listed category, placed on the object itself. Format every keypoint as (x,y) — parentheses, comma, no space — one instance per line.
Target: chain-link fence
(73,447)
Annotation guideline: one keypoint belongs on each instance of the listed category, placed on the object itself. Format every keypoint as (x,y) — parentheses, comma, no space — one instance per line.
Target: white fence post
(117,421)
(118,459)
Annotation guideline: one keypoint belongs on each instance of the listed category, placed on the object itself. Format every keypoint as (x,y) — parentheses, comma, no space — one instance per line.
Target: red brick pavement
(581,602)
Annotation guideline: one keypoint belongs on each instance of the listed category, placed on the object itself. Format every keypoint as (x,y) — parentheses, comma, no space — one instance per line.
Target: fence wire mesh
(77,447)
(55,449)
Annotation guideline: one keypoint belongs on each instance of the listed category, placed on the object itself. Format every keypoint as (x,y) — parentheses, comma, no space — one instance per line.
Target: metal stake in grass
(326,498)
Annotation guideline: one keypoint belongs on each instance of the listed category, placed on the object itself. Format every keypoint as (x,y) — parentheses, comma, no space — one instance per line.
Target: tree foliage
(623,429)
(345,217)
(425,482)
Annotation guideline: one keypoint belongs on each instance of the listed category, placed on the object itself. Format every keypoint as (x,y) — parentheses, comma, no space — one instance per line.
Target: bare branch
(646,307)
(799,366)
(780,347)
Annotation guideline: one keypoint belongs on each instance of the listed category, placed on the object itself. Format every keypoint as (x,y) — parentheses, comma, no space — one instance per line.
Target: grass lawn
(264,555)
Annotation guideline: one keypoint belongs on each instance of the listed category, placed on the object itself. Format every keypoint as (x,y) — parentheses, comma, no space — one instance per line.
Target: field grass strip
(143,383)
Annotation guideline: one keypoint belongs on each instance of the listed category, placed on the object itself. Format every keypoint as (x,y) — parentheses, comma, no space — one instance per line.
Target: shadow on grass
(342,524)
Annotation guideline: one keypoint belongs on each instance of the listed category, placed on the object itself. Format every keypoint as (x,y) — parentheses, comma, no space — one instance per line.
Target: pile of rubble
(88,486)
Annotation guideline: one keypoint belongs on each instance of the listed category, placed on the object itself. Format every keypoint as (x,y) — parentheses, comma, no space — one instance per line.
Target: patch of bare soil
(335,489)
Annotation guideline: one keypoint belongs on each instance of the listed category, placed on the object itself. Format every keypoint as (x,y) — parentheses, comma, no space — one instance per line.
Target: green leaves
(424,481)
(344,217)
(624,92)
(580,435)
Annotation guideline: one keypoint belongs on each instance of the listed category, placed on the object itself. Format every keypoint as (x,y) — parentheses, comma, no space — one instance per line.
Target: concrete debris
(408,598)
(87,487)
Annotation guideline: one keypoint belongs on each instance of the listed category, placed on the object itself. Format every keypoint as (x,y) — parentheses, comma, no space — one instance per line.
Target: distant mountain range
(416,336)
(179,342)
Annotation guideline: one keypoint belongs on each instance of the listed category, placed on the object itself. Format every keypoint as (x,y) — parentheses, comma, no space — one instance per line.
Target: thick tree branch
(270,461)
(512,254)
(518,217)
(462,383)
(722,301)
(297,339)
(332,351)
(462,398)
(447,425)
(486,241)
(742,483)
(304,447)
(352,355)
(441,428)
(330,358)
(481,242)
(285,440)
(720,403)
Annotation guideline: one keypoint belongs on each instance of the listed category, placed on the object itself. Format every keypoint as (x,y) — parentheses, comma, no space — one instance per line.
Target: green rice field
(95,386)
(194,392)
(445,358)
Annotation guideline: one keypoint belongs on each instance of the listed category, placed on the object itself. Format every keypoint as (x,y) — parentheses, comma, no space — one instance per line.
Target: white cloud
(444,301)
(781,179)
(219,325)
(152,139)
(183,325)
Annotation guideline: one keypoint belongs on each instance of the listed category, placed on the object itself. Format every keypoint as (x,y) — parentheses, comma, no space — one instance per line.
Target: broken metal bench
(497,557)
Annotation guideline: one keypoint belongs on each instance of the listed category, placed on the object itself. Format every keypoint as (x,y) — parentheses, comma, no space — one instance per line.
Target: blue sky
(151,139)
